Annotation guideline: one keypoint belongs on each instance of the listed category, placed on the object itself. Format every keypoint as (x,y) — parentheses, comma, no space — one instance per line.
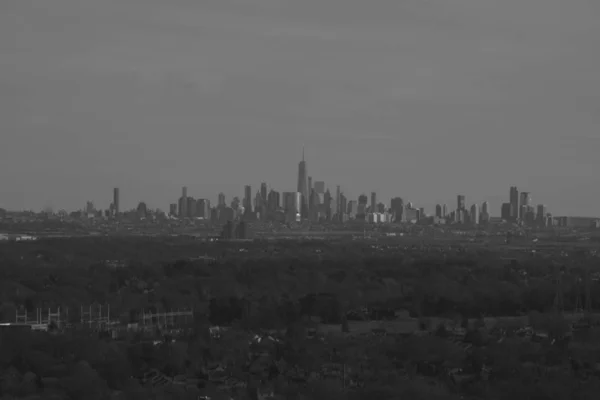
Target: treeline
(71,273)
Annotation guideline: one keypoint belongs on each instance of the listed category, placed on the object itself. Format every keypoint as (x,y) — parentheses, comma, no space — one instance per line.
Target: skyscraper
(263,192)
(514,203)
(327,205)
(460,202)
(542,210)
(116,200)
(183,203)
(525,203)
(221,202)
(474,214)
(444,211)
(485,207)
(203,208)
(247,199)
(438,210)
(373,202)
(338,201)
(302,184)
(397,206)
(273,200)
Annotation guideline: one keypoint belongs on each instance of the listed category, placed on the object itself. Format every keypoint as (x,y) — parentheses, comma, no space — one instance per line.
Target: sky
(422,99)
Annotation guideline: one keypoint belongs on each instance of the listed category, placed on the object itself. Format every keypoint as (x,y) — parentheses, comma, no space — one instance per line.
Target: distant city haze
(422,99)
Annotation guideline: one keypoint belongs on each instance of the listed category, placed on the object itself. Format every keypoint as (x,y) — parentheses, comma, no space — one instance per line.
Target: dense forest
(309,302)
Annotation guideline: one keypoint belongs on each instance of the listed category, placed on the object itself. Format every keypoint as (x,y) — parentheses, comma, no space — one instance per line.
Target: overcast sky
(423,99)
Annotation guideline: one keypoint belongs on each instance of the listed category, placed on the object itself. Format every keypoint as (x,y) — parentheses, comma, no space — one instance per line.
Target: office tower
(484,216)
(352,209)
(336,210)
(142,210)
(173,209)
(373,202)
(380,208)
(506,211)
(221,201)
(310,185)
(514,203)
(235,203)
(460,202)
(474,214)
(258,201)
(541,212)
(438,211)
(191,207)
(327,205)
(343,207)
(203,208)
(247,199)
(320,187)
(444,211)
(291,204)
(485,208)
(525,199)
(263,192)
(302,187)
(273,200)
(363,199)
(397,206)
(116,201)
(183,203)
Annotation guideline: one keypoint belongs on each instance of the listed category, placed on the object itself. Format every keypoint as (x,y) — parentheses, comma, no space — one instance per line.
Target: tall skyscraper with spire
(303,185)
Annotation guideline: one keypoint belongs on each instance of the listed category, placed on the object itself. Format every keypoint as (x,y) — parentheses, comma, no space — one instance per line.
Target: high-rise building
(247,199)
(397,206)
(203,208)
(319,187)
(221,201)
(183,203)
(485,207)
(263,193)
(327,205)
(525,198)
(506,211)
(460,202)
(373,202)
(343,207)
(514,203)
(191,207)
(444,211)
(352,209)
(258,200)
(310,184)
(235,203)
(291,205)
(438,210)
(474,214)
(338,199)
(142,210)
(542,211)
(302,187)
(173,209)
(116,199)
(273,200)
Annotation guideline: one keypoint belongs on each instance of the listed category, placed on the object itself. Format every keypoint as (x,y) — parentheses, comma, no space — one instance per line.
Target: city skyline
(522,198)
(423,100)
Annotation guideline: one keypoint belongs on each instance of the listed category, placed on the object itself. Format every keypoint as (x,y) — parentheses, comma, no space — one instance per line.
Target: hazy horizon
(422,99)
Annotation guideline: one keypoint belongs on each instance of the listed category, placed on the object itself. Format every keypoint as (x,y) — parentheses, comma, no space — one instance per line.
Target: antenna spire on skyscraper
(302,152)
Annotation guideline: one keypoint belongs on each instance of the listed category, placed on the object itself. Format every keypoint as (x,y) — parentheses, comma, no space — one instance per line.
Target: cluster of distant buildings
(312,201)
